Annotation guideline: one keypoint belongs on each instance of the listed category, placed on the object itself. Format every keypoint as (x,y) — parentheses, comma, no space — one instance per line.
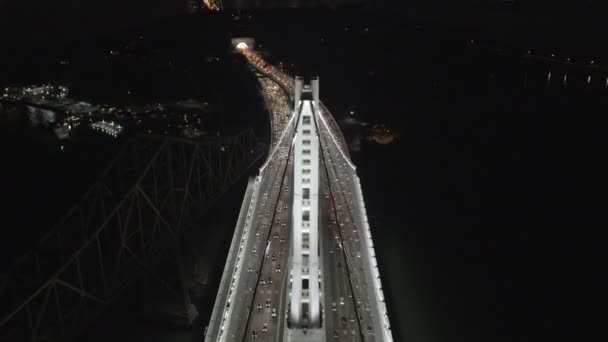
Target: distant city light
(109,128)
(211,5)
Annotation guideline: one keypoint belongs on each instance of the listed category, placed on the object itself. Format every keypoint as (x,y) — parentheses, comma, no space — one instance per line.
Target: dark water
(486,212)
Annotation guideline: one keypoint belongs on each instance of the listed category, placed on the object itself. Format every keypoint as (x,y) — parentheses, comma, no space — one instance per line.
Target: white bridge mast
(305,299)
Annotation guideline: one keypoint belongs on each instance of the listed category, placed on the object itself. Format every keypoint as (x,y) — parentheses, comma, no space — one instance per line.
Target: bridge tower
(305,298)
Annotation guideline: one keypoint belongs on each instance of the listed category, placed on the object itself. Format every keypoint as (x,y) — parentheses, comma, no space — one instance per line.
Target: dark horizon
(70,20)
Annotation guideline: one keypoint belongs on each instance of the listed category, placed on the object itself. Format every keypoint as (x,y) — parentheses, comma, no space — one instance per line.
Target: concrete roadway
(341,176)
(271,178)
(338,307)
(273,284)
(254,250)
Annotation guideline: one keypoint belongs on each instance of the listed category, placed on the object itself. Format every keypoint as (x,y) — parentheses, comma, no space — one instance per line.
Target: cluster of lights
(43,92)
(73,120)
(211,5)
(79,111)
(268,69)
(279,105)
(107,127)
(553,57)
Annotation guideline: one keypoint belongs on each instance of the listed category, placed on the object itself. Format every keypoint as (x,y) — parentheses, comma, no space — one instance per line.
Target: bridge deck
(353,305)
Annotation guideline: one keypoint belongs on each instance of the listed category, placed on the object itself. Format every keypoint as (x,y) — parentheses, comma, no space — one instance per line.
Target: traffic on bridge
(270,248)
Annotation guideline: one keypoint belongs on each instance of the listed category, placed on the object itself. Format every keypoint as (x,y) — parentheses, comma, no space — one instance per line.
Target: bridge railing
(335,130)
(128,220)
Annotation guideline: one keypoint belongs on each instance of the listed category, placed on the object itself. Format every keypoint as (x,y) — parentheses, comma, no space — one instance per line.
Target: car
(262,282)
(334,307)
(265,328)
(274,257)
(341,300)
(259,306)
(274,312)
(270,280)
(268,302)
(254,334)
(343,320)
(336,334)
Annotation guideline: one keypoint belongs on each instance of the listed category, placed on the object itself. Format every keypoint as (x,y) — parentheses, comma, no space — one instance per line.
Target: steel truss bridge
(132,218)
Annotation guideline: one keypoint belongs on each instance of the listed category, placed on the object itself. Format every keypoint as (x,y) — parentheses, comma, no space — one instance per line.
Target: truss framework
(129,219)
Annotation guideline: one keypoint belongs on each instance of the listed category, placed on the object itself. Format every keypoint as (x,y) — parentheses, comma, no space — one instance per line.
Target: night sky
(40,20)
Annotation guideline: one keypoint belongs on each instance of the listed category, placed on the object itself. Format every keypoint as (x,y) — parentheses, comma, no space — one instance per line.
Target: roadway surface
(263,257)
(348,259)
(352,304)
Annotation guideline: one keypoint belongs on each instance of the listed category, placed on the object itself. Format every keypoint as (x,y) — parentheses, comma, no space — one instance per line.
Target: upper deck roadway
(252,301)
